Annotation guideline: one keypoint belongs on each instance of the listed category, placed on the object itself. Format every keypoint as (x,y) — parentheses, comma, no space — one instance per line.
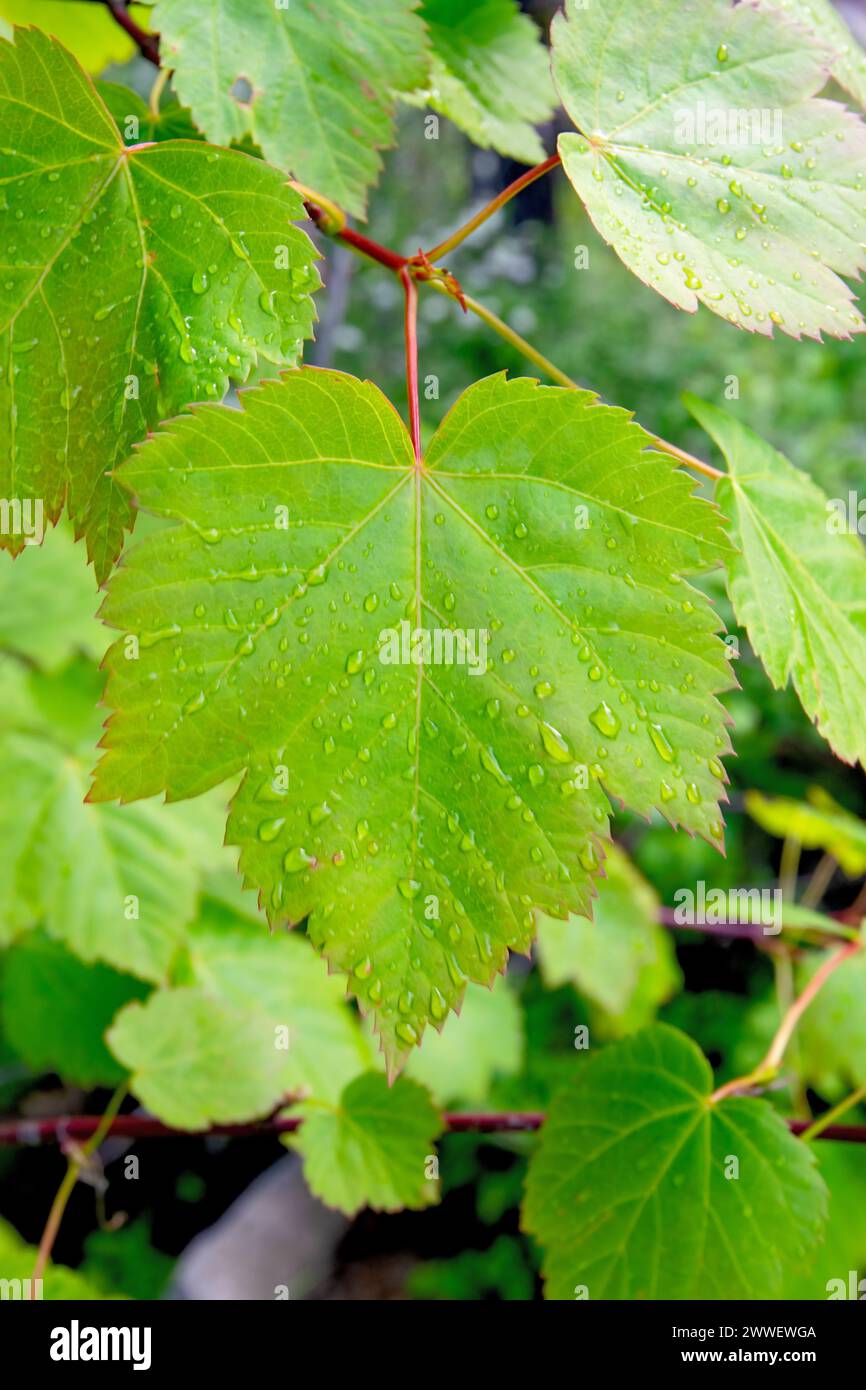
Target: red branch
(65,1129)
(147,44)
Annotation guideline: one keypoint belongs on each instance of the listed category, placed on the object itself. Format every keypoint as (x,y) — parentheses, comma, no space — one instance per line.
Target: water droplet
(270,829)
(661,743)
(555,744)
(605,720)
(297,859)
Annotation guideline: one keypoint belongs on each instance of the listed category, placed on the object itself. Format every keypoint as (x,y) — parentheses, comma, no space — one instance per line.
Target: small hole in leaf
(242,91)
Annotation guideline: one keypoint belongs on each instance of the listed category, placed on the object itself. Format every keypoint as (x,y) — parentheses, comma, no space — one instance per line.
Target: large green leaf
(489,73)
(196,1061)
(797,586)
(87,30)
(17,1261)
(622,958)
(832,1034)
(843,1250)
(630,1193)
(706,161)
(822,19)
(312,87)
(425,807)
(372,1148)
(56,1010)
(136,279)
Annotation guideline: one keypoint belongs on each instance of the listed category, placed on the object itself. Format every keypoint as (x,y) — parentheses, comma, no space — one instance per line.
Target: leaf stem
(147,44)
(76,1161)
(411,331)
(492,207)
(823,1123)
(156,92)
(769,1068)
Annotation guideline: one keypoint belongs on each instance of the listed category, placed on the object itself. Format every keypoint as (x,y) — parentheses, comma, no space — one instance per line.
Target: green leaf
(137,279)
(136,122)
(48,603)
(798,585)
(316,90)
(421,809)
(820,823)
(622,957)
(460,1062)
(680,176)
(489,73)
(284,983)
(17,1261)
(56,1010)
(843,1250)
(628,1194)
(821,18)
(196,1061)
(85,871)
(87,30)
(832,1032)
(370,1150)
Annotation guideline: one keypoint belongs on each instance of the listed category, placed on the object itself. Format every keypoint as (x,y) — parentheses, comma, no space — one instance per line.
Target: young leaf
(460,1062)
(285,983)
(418,809)
(111,885)
(623,947)
(137,279)
(798,584)
(819,823)
(17,1261)
(313,89)
(87,30)
(489,73)
(823,20)
(832,1035)
(632,1192)
(371,1149)
(709,165)
(48,604)
(56,1010)
(195,1061)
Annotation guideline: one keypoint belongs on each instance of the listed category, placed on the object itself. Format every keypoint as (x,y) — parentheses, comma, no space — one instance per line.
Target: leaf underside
(416,811)
(797,583)
(135,280)
(705,159)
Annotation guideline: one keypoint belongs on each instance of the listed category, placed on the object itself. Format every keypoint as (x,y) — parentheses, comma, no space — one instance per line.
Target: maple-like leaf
(418,808)
(708,163)
(136,279)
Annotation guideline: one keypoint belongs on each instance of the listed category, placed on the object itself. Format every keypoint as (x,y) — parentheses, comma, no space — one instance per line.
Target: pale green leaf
(832,1032)
(372,1148)
(706,161)
(196,1061)
(48,603)
(821,18)
(86,29)
(137,279)
(315,88)
(460,1062)
(284,983)
(423,807)
(798,585)
(86,871)
(628,1194)
(489,73)
(56,1009)
(820,823)
(619,958)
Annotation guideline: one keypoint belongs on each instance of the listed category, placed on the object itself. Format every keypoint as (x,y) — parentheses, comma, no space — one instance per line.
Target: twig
(825,1121)
(62,1128)
(411,332)
(147,44)
(490,208)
